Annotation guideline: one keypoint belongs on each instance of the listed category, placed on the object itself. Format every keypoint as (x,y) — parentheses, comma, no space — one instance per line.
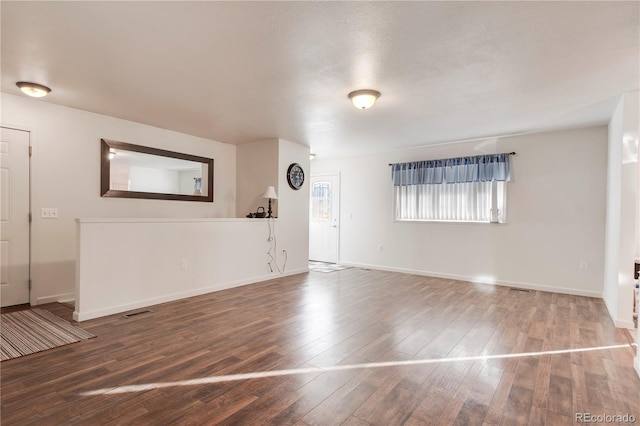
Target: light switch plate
(49,213)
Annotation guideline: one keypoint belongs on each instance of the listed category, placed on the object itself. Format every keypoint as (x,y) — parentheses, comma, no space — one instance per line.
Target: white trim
(62,298)
(455,222)
(476,280)
(164,220)
(83,316)
(636,360)
(624,324)
(338,214)
(32,273)
(618,323)
(609,311)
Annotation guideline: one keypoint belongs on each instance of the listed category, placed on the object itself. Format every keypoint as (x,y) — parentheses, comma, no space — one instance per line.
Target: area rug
(325,267)
(36,330)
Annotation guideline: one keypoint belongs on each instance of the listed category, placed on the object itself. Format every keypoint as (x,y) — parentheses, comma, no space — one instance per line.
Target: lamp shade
(270,193)
(363,99)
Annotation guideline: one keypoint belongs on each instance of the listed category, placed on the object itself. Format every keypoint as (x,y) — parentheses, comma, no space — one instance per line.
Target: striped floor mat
(35,330)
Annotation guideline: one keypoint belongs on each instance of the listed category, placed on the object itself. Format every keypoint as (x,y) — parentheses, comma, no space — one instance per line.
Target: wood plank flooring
(352,347)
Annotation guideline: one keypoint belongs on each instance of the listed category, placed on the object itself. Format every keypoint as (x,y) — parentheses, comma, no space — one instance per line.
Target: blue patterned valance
(480,168)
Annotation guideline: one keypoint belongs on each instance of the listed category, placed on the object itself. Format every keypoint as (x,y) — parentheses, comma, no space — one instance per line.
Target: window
(321,201)
(467,189)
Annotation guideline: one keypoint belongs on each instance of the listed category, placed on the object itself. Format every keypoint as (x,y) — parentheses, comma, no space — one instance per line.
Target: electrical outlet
(183,264)
(379,248)
(584,265)
(49,213)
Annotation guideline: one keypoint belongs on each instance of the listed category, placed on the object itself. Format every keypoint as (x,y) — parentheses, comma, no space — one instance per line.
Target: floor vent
(133,314)
(520,289)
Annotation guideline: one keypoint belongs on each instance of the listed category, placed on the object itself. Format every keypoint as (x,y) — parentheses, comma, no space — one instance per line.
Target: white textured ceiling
(239,72)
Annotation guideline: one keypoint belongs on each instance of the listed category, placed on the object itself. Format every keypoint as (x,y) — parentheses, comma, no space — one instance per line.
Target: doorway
(324,217)
(14,217)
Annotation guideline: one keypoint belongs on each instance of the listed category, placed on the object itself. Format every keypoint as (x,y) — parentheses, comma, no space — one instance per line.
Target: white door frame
(31,133)
(338,192)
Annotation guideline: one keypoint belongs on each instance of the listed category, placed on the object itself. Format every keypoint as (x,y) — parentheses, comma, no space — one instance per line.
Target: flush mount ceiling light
(363,99)
(33,89)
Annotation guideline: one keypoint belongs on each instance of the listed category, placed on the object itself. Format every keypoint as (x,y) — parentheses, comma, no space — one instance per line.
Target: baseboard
(84,316)
(476,280)
(617,322)
(624,324)
(62,298)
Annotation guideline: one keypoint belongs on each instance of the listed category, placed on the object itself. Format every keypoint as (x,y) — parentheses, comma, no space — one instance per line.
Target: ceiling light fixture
(363,99)
(33,89)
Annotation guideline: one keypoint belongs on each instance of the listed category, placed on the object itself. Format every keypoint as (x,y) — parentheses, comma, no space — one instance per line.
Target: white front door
(324,217)
(14,217)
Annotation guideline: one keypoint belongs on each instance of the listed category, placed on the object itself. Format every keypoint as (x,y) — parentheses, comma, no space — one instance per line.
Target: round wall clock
(295,176)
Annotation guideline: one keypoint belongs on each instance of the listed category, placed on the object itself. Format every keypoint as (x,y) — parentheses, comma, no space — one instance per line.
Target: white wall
(147,179)
(622,217)
(187,181)
(612,229)
(66,174)
(119,176)
(131,263)
(293,213)
(265,163)
(556,216)
(257,168)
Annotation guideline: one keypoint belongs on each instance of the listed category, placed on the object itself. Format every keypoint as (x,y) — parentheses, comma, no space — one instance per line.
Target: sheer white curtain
(464,202)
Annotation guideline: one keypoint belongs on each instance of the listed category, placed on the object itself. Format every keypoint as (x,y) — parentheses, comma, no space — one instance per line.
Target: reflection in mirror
(134,171)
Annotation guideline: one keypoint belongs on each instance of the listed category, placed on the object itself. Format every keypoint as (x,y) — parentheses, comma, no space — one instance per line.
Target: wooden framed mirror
(135,171)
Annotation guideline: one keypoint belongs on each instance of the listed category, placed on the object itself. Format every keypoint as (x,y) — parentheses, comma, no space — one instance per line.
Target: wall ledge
(167,220)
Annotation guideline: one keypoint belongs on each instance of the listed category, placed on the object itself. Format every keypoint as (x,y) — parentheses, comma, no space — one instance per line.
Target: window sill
(472,222)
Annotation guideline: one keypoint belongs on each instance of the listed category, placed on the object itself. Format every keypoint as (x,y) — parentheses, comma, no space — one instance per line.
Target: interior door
(14,217)
(324,217)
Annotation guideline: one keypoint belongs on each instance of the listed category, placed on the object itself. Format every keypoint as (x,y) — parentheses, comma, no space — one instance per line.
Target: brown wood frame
(106,145)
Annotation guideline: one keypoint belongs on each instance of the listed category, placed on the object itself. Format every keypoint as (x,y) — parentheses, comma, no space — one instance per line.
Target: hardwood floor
(352,347)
